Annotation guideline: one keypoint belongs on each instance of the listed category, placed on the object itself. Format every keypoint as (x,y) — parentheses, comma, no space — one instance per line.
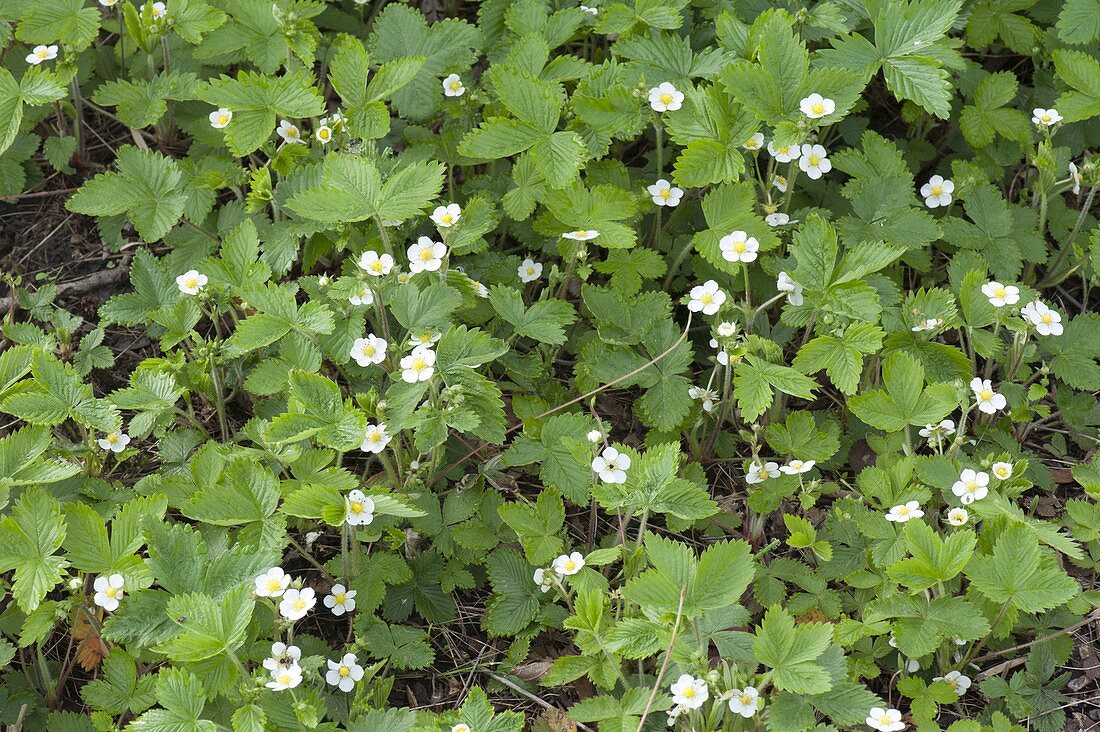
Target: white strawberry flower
(784,153)
(956,680)
(418,365)
(797,467)
(452,86)
(109,591)
(375,264)
(290,133)
(664,193)
(902,513)
(581,234)
(568,564)
(738,246)
(296,604)
(665,98)
(359,508)
(342,600)
(971,486)
(1076,178)
(814,161)
(375,439)
(727,329)
(1001,471)
(945,428)
(282,656)
(542,579)
(446,216)
(114,441)
(777,219)
(926,325)
(589,10)
(529,270)
(1000,295)
(1047,322)
(344,674)
(108,3)
(462,726)
(958,517)
(759,472)
(744,701)
(816,106)
(41,54)
(988,400)
(323,134)
(159,10)
(362,296)
(426,255)
(595,436)
(220,118)
(780,182)
(722,355)
(285,678)
(706,397)
(368,351)
(424,338)
(706,298)
(755,142)
(1045,117)
(611,465)
(191,282)
(689,692)
(784,283)
(272,583)
(937,191)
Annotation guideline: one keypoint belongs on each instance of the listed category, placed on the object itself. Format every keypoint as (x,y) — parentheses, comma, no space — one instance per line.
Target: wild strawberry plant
(724,366)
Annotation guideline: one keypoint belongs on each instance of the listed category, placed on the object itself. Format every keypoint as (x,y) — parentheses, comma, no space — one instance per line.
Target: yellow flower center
(446,218)
(112,439)
(937,190)
(814,160)
(1046,317)
(739,246)
(340,598)
(581,234)
(356,506)
(570,565)
(817,108)
(368,350)
(456,85)
(344,671)
(299,604)
(1000,292)
(1046,117)
(689,693)
(223,119)
(746,699)
(191,283)
(43,53)
(884,719)
(110,592)
(323,133)
(376,266)
(418,364)
(426,255)
(666,98)
(985,395)
(291,131)
(530,270)
(971,486)
(706,299)
(274,584)
(284,678)
(903,511)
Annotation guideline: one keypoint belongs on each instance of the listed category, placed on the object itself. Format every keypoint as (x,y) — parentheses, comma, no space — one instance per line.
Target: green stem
(1052,276)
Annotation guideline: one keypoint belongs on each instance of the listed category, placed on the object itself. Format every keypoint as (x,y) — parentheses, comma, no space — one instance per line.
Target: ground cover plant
(691,364)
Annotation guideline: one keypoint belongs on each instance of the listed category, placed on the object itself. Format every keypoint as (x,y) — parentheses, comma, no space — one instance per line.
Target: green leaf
(933,559)
(791,652)
(28,539)
(538,525)
(258,102)
(1081,73)
(183,698)
(1079,21)
(1018,573)
(755,380)
(69,23)
(515,601)
(922,625)
(545,321)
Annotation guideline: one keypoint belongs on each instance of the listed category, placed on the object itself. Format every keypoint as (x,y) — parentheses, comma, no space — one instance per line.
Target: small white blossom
(1001,471)
(885,720)
(108,3)
(777,219)
(369,350)
(784,283)
(114,441)
(759,472)
(611,465)
(41,54)
(452,86)
(755,142)
(343,674)
(220,118)
(1045,117)
(664,193)
(816,106)
(323,134)
(744,701)
(529,270)
(581,234)
(944,428)
(937,191)
(797,467)
(706,298)
(342,600)
(290,133)
(1076,178)
(296,603)
(542,579)
(814,161)
(1047,322)
(988,400)
(589,10)
(665,98)
(481,290)
(958,517)
(283,657)
(285,678)
(108,591)
(689,692)
(418,365)
(426,255)
(784,153)
(595,436)
(738,246)
(272,583)
(446,216)
(359,508)
(904,512)
(568,564)
(424,338)
(375,438)
(705,396)
(723,356)
(191,282)
(159,10)
(971,486)
(362,296)
(1000,295)
(929,324)
(780,182)
(956,680)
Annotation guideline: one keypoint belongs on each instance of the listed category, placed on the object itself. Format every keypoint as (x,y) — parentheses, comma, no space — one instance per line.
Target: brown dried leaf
(90,648)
